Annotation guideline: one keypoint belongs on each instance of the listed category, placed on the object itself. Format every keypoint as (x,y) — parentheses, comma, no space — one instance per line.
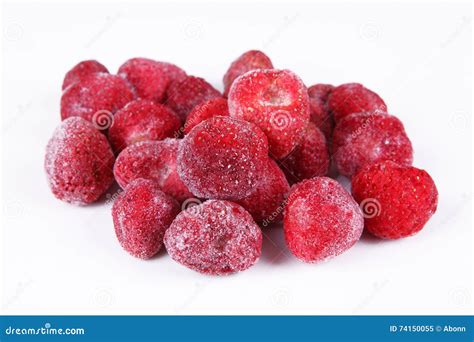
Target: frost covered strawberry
(309,159)
(352,98)
(362,139)
(221,158)
(153,160)
(173,72)
(265,202)
(277,102)
(216,238)
(205,110)
(321,220)
(81,71)
(320,115)
(248,61)
(96,98)
(146,77)
(141,215)
(183,95)
(78,162)
(142,120)
(397,201)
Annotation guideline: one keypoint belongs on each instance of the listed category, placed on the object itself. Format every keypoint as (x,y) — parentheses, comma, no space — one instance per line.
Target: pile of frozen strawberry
(204,172)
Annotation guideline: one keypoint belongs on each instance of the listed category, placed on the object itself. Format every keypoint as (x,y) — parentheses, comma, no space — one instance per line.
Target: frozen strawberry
(352,98)
(265,203)
(96,98)
(397,201)
(216,238)
(320,92)
(141,215)
(153,160)
(182,96)
(142,120)
(146,77)
(78,162)
(173,72)
(221,158)
(362,139)
(309,159)
(277,102)
(248,61)
(320,116)
(81,71)
(321,220)
(206,110)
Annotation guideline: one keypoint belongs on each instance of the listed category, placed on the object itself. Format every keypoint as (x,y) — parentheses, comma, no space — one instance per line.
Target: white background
(61,259)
